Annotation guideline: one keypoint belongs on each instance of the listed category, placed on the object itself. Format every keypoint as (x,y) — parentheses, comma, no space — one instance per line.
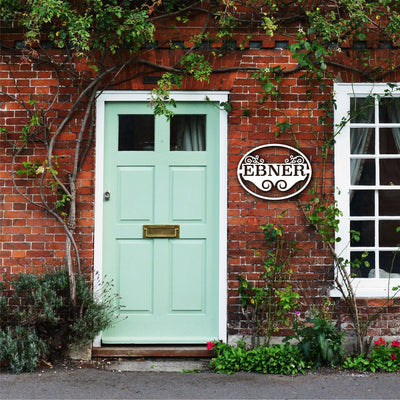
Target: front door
(160,222)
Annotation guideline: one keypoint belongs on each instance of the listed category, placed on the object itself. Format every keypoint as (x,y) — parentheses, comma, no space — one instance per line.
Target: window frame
(363,287)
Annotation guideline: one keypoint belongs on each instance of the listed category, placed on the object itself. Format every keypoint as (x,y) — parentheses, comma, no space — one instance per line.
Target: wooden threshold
(196,351)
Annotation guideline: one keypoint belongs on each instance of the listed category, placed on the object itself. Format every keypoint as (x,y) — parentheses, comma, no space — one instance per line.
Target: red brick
(28,233)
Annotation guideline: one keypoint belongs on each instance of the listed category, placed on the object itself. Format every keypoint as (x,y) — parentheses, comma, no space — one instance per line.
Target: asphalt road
(73,382)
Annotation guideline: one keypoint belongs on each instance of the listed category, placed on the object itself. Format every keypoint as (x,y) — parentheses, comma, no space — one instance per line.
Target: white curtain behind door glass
(188,132)
(193,133)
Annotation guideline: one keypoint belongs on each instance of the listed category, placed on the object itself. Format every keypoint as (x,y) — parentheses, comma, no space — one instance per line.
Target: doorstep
(187,365)
(187,351)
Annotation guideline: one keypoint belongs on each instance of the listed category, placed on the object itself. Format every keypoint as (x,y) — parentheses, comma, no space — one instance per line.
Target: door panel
(136,193)
(162,172)
(188,193)
(188,268)
(135,258)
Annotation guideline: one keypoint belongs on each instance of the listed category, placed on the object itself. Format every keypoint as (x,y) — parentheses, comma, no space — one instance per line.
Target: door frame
(178,96)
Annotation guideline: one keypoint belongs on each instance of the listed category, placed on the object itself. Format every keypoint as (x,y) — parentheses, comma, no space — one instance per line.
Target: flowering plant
(384,356)
(210,345)
(379,342)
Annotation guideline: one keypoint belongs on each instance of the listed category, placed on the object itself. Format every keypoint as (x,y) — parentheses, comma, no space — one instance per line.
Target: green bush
(41,306)
(229,358)
(319,340)
(275,359)
(22,348)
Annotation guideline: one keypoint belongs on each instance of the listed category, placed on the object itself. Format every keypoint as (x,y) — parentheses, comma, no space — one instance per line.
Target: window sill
(371,288)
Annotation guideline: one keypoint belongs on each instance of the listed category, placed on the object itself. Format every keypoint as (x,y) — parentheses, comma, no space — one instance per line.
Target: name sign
(274,172)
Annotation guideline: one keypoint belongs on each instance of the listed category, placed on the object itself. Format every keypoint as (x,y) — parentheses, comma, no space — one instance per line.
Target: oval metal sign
(274,172)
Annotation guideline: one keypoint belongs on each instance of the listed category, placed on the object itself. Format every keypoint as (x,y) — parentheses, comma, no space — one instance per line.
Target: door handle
(107,195)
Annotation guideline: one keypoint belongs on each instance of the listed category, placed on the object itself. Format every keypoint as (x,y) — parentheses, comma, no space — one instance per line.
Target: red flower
(392,356)
(210,345)
(395,343)
(379,342)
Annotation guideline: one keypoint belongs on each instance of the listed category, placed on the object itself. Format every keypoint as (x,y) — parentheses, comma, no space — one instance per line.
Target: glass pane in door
(188,133)
(135,132)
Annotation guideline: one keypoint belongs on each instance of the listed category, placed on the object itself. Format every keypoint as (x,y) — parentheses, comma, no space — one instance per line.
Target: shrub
(275,359)
(42,308)
(229,359)
(21,348)
(319,340)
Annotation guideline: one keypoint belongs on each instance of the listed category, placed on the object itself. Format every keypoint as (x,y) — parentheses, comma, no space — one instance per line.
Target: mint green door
(160,172)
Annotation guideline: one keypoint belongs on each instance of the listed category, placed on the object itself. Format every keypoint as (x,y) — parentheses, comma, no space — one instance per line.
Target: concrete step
(159,365)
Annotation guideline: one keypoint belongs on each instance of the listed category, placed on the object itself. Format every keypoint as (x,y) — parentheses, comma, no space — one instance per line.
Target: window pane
(362,141)
(367,233)
(362,203)
(388,237)
(389,110)
(136,132)
(389,202)
(362,109)
(389,264)
(389,172)
(389,140)
(362,172)
(188,133)
(362,271)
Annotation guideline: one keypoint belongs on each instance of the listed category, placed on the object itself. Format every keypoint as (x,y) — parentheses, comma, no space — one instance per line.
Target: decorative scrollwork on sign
(254,160)
(282,185)
(280,173)
(295,160)
(267,185)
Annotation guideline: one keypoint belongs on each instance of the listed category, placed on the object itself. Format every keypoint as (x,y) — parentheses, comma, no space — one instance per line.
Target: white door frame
(144,96)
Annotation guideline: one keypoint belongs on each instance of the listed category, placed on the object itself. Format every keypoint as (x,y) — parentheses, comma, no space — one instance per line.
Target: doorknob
(107,195)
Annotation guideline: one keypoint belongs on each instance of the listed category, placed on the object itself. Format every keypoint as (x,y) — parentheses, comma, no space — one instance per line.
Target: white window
(367,178)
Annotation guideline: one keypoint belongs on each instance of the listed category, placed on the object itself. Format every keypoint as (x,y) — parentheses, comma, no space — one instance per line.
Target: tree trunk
(71,224)
(70,267)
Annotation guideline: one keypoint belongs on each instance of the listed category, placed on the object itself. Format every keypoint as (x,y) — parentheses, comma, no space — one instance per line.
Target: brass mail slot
(161,231)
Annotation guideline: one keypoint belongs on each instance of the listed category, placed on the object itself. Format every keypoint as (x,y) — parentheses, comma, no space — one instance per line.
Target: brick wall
(31,238)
